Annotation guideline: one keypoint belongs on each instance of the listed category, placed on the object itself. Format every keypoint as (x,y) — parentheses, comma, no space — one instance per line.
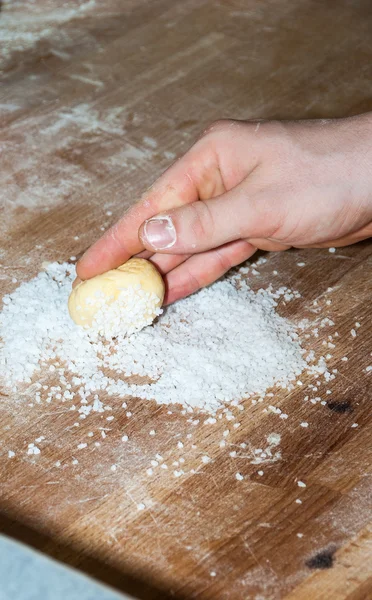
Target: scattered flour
(53,157)
(9,107)
(87,120)
(64,137)
(44,186)
(222,344)
(148,141)
(25,25)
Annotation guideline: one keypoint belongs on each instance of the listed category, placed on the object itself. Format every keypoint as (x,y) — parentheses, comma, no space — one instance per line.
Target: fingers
(269,245)
(76,282)
(144,254)
(238,214)
(218,161)
(167,262)
(164,262)
(354,237)
(203,269)
(195,175)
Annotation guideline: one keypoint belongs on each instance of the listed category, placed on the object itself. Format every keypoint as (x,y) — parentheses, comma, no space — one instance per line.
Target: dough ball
(120,301)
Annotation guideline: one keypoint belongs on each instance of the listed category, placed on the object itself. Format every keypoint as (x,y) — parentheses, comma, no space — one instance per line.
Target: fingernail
(159,232)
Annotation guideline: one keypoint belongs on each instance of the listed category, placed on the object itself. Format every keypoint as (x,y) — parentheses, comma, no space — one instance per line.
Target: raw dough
(120,301)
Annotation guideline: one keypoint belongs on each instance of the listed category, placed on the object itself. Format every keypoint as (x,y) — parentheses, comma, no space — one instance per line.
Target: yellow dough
(120,301)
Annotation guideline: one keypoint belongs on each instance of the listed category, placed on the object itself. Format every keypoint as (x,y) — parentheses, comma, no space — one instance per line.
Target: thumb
(203,225)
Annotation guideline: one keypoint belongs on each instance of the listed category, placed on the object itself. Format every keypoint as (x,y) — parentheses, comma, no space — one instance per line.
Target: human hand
(245,186)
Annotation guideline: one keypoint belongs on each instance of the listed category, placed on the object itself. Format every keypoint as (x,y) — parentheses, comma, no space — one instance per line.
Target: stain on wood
(340,407)
(322,560)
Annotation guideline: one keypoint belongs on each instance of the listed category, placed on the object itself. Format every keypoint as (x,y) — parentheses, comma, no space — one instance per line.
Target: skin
(245,186)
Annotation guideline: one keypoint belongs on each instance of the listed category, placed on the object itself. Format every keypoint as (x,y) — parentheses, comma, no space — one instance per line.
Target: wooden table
(96,99)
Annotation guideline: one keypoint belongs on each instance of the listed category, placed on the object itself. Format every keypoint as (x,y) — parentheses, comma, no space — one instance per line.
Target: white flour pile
(218,346)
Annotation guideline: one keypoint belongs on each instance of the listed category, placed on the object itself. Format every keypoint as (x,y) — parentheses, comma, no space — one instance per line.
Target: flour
(129,157)
(87,120)
(47,182)
(9,108)
(218,346)
(45,185)
(24,26)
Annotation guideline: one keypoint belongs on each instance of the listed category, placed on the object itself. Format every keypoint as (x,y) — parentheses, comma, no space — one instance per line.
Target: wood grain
(96,100)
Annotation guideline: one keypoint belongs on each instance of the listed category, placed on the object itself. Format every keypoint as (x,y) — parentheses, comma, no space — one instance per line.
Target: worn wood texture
(96,99)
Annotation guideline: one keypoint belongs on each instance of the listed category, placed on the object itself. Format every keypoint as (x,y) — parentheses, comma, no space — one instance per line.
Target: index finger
(179,185)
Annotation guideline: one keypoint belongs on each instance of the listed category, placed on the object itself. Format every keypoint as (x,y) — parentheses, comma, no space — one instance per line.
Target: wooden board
(96,99)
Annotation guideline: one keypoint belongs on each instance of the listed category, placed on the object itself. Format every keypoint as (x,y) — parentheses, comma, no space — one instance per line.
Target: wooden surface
(96,99)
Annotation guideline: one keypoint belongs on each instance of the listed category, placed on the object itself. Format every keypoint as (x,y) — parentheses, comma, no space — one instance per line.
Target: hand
(244,186)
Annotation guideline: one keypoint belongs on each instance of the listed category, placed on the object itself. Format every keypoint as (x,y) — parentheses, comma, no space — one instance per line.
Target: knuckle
(193,282)
(224,262)
(114,233)
(202,223)
(218,126)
